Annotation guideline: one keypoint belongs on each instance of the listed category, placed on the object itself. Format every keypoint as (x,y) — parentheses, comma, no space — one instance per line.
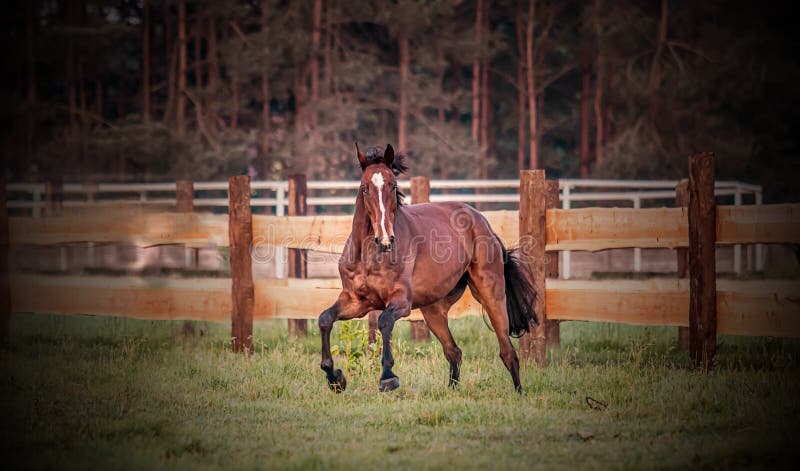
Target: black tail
(520,295)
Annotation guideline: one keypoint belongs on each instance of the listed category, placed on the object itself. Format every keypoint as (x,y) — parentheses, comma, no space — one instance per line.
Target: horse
(402,257)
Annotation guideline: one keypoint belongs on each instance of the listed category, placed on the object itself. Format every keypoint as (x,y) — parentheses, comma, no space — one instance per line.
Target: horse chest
(366,283)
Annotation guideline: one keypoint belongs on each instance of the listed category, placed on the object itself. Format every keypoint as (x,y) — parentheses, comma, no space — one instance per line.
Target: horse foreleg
(395,310)
(345,308)
(336,380)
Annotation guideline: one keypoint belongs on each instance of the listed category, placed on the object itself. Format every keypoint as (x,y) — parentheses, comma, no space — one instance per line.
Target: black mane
(374,156)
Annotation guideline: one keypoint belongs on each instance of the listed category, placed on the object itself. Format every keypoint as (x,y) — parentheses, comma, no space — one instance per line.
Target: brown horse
(399,258)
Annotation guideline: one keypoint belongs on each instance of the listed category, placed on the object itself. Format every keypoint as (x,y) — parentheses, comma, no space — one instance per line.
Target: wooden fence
(702,303)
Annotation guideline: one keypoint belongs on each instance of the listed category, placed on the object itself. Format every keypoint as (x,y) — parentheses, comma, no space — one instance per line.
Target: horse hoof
(390,384)
(339,384)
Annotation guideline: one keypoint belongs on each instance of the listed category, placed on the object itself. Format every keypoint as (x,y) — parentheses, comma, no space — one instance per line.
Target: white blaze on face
(377,180)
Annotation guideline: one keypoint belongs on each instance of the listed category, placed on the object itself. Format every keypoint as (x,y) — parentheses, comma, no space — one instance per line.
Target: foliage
(722,79)
(357,355)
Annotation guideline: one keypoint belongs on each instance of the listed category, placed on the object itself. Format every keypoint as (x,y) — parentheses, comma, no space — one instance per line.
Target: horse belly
(430,284)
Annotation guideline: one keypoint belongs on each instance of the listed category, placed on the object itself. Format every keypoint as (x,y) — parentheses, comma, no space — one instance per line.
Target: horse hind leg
(487,284)
(436,317)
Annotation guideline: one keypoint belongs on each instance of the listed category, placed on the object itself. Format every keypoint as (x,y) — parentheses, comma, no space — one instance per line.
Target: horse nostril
(377,240)
(391,239)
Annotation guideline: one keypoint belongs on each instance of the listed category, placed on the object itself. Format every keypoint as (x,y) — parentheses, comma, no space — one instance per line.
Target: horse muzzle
(385,244)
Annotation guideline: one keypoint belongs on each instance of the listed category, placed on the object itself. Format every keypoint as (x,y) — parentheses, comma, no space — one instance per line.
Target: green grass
(123,394)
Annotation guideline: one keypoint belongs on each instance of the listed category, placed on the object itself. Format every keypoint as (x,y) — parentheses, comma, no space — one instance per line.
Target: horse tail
(520,294)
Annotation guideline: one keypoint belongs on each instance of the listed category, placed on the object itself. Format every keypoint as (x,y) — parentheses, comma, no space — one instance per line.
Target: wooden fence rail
(734,307)
(762,308)
(567,229)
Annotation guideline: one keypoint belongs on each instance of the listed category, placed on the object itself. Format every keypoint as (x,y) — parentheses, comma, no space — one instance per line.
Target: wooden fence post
(184,203)
(420,193)
(240,234)
(184,198)
(553,327)
(682,201)
(53,197)
(5,289)
(702,265)
(298,266)
(532,239)
(54,204)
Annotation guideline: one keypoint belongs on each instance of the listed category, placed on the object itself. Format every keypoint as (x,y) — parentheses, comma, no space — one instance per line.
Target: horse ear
(388,155)
(362,159)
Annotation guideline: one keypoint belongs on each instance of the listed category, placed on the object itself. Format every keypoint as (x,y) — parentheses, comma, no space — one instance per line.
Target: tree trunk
(235,92)
(476,74)
(265,112)
(213,65)
(300,100)
(442,67)
(485,120)
(180,118)
(314,63)
(198,52)
(5,288)
(402,122)
(98,98)
(146,62)
(521,54)
(485,99)
(71,96)
(82,95)
(534,157)
(586,82)
(167,30)
(655,69)
(30,40)
(598,89)
(169,107)
(326,68)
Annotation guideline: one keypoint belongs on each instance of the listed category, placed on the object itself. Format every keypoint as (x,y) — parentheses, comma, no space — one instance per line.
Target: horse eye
(364,189)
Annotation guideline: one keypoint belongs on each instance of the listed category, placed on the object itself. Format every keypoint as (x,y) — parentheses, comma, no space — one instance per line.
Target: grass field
(124,394)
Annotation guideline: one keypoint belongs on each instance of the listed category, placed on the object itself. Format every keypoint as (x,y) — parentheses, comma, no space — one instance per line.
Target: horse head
(379,192)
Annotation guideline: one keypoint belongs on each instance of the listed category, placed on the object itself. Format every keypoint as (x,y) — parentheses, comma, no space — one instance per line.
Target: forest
(159,90)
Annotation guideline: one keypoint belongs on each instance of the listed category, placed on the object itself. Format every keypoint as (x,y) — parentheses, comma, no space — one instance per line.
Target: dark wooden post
(184,198)
(5,289)
(53,197)
(702,265)
(682,201)
(184,203)
(420,190)
(553,326)
(240,235)
(532,239)
(420,193)
(298,267)
(54,204)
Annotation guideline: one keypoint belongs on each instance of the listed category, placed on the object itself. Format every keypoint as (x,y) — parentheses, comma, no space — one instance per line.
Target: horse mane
(374,156)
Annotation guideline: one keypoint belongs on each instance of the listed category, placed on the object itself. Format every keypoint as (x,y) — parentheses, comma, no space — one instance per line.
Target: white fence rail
(30,196)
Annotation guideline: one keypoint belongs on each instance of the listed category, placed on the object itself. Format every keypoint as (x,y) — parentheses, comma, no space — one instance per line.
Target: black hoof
(339,384)
(390,384)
